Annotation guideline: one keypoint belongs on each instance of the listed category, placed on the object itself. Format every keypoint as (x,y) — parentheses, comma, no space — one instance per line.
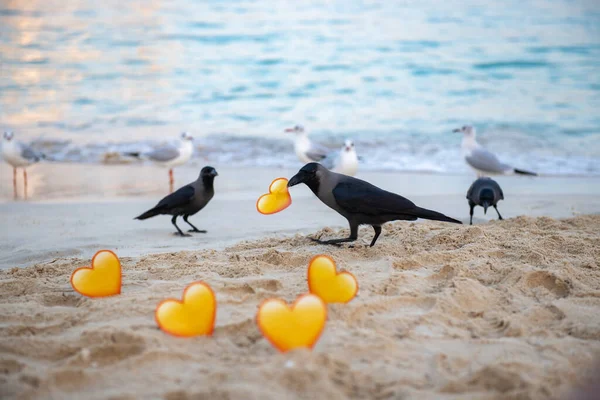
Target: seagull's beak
(456,130)
(289,130)
(348,148)
(296,179)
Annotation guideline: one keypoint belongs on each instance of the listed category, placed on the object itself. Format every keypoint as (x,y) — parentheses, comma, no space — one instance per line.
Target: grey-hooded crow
(484,192)
(186,201)
(360,202)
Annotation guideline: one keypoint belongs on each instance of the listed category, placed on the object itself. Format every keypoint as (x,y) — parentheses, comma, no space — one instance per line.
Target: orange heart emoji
(194,315)
(331,286)
(278,198)
(287,327)
(102,279)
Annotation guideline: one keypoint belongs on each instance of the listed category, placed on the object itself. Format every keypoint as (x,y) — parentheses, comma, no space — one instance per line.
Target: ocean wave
(399,151)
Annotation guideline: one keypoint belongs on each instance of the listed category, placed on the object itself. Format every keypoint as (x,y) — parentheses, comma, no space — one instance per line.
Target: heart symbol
(287,327)
(102,279)
(331,286)
(192,316)
(278,198)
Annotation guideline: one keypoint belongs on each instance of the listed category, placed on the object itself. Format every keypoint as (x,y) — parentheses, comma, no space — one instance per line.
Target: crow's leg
(496,208)
(15,194)
(472,205)
(179,232)
(377,229)
(194,229)
(352,238)
(171,180)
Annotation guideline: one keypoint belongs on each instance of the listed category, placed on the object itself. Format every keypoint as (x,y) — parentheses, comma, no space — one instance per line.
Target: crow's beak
(456,130)
(214,172)
(485,207)
(296,179)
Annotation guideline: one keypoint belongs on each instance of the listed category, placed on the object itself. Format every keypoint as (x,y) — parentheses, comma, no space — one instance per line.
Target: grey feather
(331,160)
(316,152)
(28,153)
(163,154)
(474,191)
(483,160)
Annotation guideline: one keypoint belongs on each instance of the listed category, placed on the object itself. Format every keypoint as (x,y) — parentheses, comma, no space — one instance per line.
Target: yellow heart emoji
(287,327)
(331,286)
(102,279)
(194,315)
(278,198)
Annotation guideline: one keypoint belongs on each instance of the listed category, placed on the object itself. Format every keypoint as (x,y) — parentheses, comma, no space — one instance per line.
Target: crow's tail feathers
(149,214)
(432,215)
(523,172)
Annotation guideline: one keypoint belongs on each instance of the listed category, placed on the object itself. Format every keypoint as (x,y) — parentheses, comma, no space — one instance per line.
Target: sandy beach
(98,99)
(499,310)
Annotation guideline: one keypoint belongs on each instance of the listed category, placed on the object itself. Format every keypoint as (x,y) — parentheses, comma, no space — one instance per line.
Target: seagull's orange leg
(171,180)
(15,183)
(25,181)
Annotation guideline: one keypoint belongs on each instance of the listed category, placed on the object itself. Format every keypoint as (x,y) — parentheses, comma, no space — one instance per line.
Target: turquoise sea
(80,77)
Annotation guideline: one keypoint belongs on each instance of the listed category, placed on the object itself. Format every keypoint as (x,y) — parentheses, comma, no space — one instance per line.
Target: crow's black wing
(358,196)
(179,198)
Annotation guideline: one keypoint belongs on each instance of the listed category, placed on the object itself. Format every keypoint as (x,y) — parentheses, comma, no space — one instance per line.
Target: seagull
(186,201)
(360,202)
(484,192)
(343,162)
(170,156)
(19,155)
(306,150)
(481,160)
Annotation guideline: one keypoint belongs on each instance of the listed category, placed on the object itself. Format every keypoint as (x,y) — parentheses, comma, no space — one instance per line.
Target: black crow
(186,201)
(360,202)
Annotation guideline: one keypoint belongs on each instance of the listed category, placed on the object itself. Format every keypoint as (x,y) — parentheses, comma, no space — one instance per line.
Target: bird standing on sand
(343,162)
(170,156)
(484,192)
(360,202)
(481,160)
(306,150)
(19,155)
(186,201)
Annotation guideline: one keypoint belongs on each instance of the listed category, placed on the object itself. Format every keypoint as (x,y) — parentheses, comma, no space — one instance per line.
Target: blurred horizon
(394,76)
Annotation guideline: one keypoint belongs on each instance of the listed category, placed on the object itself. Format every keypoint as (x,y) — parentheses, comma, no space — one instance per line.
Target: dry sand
(507,309)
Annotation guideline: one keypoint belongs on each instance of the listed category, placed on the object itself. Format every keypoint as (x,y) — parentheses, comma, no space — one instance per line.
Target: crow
(360,202)
(186,201)
(484,192)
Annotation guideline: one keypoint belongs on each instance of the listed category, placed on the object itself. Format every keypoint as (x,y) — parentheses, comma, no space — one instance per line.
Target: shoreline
(77,211)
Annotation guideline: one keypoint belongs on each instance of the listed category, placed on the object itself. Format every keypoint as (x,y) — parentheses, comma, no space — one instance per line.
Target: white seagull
(343,162)
(170,156)
(481,160)
(19,155)
(306,150)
